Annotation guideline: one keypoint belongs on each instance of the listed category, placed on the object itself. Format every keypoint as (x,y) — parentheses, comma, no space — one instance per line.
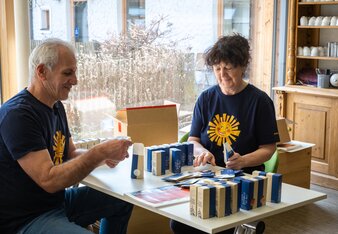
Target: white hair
(47,53)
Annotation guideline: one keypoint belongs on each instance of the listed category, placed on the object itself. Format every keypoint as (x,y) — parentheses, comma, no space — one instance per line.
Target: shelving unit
(314,111)
(300,35)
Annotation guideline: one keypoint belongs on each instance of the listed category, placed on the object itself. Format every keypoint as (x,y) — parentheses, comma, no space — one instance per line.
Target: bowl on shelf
(334,80)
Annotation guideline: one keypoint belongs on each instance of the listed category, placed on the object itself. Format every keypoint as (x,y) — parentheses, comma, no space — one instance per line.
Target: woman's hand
(204,158)
(235,162)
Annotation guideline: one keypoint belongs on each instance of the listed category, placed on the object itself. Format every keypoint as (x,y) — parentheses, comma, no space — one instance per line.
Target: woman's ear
(41,71)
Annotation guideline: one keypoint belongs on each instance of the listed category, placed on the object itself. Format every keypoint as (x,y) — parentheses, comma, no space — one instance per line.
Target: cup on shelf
(314,51)
(304,21)
(306,51)
(300,51)
(319,20)
(323,81)
(312,21)
(326,21)
(333,21)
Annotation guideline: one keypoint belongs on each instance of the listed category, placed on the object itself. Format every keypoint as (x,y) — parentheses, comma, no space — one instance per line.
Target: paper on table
(161,196)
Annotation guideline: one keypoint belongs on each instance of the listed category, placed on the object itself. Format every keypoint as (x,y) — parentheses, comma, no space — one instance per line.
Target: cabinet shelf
(318,58)
(309,90)
(317,3)
(314,27)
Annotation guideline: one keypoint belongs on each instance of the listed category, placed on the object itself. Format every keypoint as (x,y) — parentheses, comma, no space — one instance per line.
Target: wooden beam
(7,44)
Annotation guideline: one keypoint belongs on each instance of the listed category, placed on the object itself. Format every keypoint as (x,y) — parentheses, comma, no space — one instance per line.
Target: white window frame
(45,24)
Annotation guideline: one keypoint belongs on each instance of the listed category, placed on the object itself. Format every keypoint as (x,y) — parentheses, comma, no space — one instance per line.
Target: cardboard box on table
(150,125)
(294,158)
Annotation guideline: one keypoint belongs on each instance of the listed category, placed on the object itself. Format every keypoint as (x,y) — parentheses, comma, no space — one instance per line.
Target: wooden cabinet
(313,111)
(314,115)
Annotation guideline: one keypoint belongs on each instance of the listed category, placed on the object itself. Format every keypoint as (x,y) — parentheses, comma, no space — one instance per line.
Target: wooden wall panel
(262,21)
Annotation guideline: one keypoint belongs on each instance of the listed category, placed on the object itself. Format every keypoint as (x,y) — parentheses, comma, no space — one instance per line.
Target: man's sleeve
(22,133)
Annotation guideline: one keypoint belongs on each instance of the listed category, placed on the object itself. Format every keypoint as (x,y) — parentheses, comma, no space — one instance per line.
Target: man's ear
(41,71)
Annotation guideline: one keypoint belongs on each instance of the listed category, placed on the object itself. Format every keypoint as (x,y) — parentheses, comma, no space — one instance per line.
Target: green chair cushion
(272,164)
(185,137)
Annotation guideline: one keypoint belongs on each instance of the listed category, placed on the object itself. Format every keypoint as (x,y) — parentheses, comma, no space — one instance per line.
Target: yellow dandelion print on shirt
(223,129)
(58,147)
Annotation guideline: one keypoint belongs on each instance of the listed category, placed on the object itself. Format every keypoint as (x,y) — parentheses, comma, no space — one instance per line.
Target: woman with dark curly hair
(232,111)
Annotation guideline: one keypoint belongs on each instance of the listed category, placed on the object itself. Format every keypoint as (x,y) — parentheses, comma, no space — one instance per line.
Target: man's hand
(114,150)
(111,163)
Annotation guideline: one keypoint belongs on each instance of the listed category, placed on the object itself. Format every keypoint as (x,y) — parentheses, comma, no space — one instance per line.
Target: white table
(116,182)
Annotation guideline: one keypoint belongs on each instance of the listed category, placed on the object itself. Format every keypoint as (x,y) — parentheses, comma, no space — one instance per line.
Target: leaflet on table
(161,196)
(188,175)
(225,173)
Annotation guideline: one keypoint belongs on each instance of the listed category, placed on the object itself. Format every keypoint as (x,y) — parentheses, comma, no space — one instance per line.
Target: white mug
(314,51)
(312,21)
(319,20)
(303,21)
(300,51)
(333,21)
(306,51)
(326,21)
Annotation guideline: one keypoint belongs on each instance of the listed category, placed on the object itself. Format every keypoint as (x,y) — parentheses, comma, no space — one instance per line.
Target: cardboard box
(285,143)
(294,157)
(284,136)
(150,125)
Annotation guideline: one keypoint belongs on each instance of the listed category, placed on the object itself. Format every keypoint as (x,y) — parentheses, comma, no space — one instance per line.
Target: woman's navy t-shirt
(245,120)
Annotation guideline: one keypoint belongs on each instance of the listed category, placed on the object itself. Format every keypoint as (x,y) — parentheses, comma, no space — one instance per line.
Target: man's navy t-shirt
(245,120)
(28,125)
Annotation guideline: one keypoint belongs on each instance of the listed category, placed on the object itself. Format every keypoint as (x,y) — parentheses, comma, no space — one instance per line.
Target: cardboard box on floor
(150,125)
(294,157)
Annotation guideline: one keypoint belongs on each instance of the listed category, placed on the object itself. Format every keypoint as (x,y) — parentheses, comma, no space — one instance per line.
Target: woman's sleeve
(197,122)
(266,125)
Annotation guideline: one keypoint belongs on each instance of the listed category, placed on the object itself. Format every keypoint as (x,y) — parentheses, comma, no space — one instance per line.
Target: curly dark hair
(233,49)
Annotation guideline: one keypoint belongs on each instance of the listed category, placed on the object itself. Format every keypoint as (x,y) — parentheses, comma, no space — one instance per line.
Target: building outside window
(80,21)
(158,59)
(135,13)
(236,17)
(45,19)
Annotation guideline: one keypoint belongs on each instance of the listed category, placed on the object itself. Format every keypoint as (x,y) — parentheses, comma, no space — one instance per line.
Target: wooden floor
(319,217)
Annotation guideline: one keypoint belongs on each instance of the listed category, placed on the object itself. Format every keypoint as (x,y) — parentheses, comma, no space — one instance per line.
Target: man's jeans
(83,206)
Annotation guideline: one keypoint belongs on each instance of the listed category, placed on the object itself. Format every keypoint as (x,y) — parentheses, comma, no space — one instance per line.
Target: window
(80,21)
(135,13)
(158,60)
(236,17)
(45,19)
